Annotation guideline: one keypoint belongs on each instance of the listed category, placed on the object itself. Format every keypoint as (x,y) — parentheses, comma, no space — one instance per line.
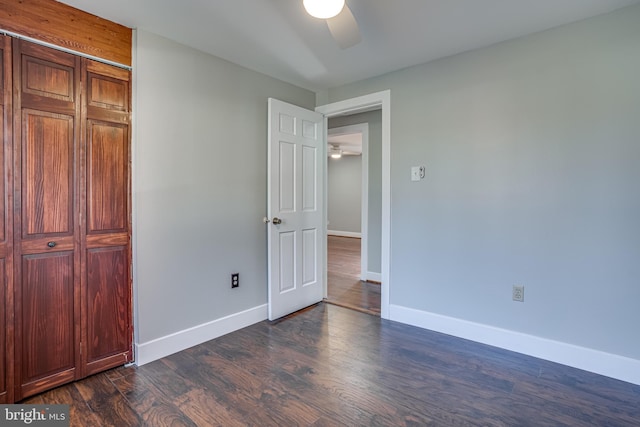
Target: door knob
(276,220)
(51,244)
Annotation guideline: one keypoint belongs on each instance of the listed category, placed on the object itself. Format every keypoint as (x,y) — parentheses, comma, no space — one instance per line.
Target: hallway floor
(343,271)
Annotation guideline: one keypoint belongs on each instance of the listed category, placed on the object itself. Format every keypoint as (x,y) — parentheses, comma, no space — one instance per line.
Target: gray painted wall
(200,185)
(532,150)
(344,193)
(374,119)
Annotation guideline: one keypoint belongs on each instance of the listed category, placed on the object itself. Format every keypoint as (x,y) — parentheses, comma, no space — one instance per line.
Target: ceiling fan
(340,20)
(336,150)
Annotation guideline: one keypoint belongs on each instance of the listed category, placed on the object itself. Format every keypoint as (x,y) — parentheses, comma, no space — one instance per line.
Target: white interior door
(295,208)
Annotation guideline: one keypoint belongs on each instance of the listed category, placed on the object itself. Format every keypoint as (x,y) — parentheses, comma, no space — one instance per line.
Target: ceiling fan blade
(344,28)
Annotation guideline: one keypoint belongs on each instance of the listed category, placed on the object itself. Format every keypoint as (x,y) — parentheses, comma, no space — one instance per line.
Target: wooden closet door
(6,255)
(106,233)
(47,247)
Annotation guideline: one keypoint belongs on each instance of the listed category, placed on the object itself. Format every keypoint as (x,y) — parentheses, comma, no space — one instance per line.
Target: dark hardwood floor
(343,277)
(330,366)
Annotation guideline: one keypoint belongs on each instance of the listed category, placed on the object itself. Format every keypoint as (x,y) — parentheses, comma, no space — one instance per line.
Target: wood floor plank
(150,402)
(79,414)
(343,277)
(262,385)
(363,383)
(307,375)
(106,402)
(225,390)
(330,366)
(203,408)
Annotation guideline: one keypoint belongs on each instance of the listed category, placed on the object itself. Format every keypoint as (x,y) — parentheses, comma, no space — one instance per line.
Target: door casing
(378,100)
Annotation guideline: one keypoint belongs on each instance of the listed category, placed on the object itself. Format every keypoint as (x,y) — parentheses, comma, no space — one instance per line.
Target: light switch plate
(417,173)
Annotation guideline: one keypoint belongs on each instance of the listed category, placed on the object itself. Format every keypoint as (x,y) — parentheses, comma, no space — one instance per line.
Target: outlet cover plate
(235,280)
(518,293)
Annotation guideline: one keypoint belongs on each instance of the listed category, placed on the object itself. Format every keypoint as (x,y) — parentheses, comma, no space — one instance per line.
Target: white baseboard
(344,233)
(178,341)
(607,364)
(374,277)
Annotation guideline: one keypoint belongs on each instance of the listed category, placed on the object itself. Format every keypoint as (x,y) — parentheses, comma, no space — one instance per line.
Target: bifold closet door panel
(107,230)
(46,230)
(6,249)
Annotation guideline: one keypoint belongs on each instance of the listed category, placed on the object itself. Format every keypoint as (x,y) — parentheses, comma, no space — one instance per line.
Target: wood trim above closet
(64,26)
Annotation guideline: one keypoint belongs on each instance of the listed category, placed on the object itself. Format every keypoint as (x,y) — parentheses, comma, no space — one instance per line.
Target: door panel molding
(47,186)
(107,298)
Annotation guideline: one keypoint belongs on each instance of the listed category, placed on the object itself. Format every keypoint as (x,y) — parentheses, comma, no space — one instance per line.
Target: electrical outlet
(235,280)
(518,293)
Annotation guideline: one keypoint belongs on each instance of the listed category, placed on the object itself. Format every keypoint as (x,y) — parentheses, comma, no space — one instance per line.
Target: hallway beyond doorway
(343,275)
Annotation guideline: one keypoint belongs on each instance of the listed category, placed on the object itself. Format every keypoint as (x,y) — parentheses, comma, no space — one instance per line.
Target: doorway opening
(350,281)
(374,101)
(297,250)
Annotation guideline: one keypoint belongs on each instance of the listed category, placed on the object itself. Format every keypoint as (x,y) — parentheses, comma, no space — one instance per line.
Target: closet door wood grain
(106,233)
(4,335)
(46,223)
(6,233)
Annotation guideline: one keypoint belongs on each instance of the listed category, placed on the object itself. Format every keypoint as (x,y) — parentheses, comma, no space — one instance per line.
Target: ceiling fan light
(334,151)
(323,9)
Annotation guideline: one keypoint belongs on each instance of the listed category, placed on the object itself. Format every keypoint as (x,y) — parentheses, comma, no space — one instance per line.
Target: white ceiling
(348,142)
(277,38)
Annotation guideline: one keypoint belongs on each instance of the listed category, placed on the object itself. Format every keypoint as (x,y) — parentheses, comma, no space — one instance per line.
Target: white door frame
(363,130)
(373,101)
